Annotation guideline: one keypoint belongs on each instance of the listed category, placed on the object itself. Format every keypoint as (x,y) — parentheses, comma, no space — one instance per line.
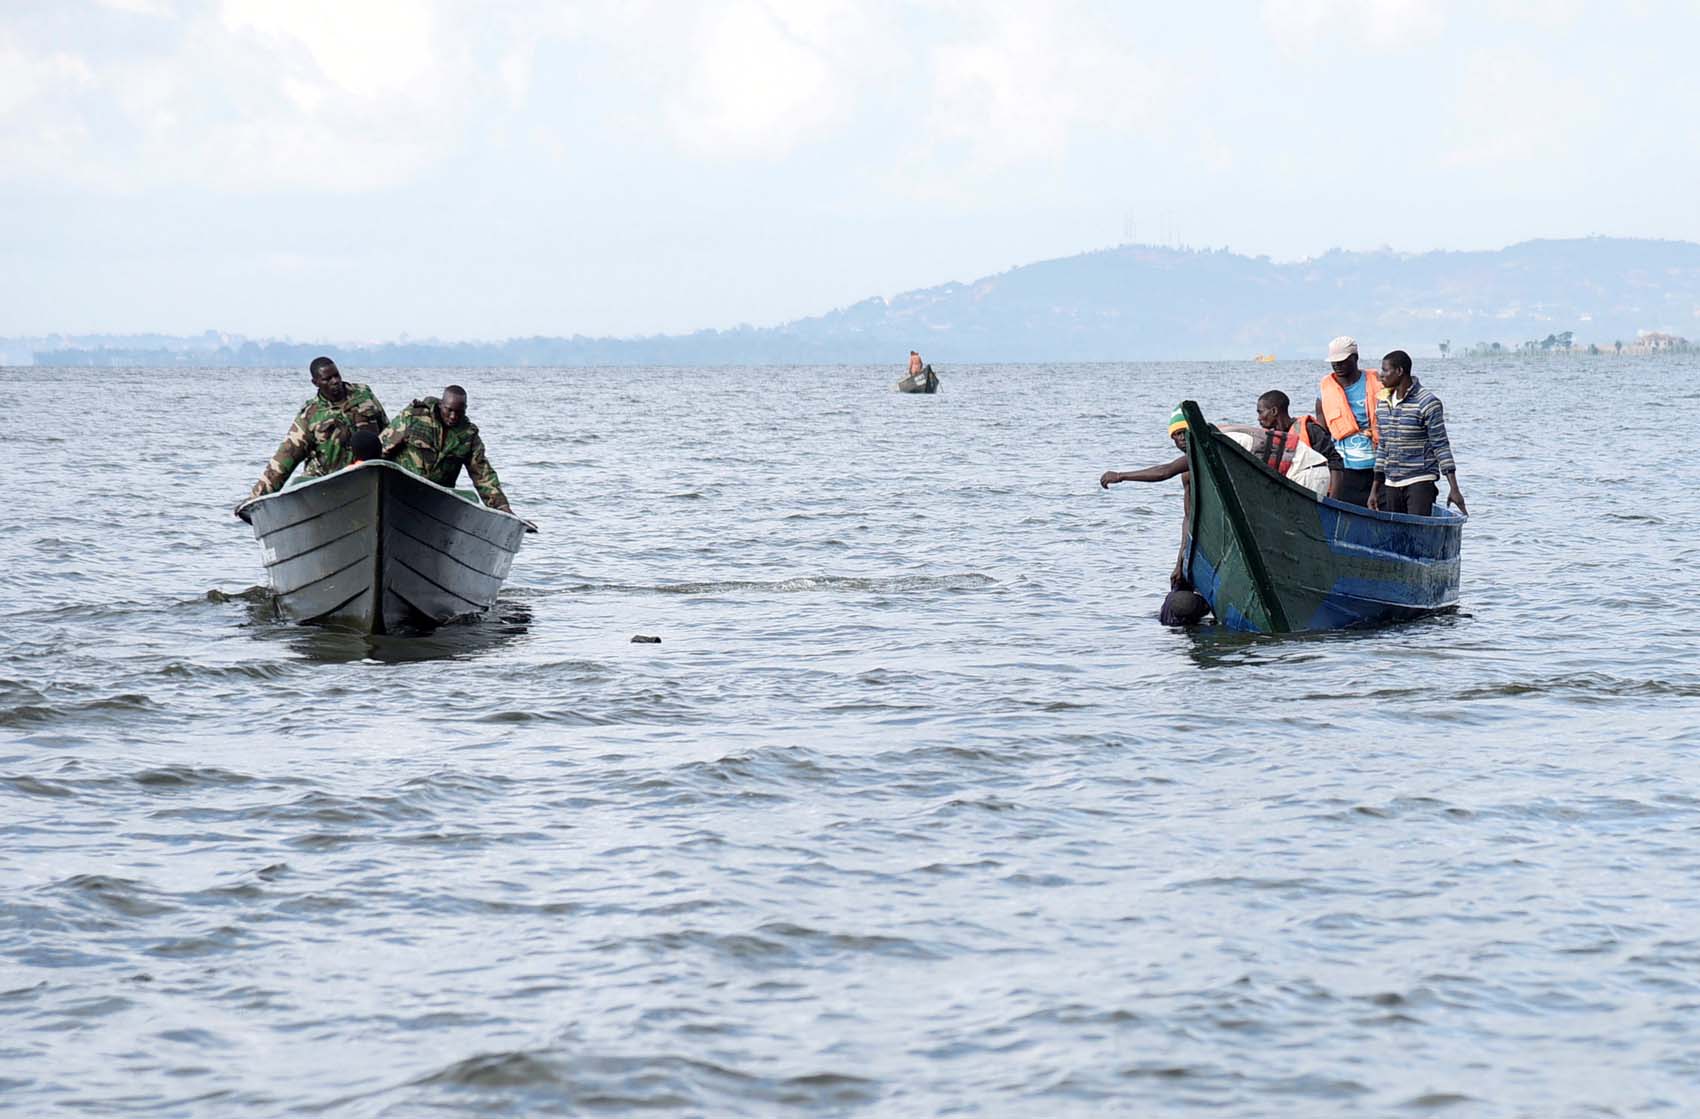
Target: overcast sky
(358,169)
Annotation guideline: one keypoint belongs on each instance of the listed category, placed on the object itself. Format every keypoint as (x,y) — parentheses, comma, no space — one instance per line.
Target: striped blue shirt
(1413,436)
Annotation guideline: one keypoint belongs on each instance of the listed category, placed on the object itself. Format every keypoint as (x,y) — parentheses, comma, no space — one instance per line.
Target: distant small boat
(376,549)
(1264,359)
(1271,557)
(924,381)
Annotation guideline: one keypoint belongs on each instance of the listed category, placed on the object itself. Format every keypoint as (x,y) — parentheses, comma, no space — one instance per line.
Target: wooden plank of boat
(924,381)
(1270,557)
(379,550)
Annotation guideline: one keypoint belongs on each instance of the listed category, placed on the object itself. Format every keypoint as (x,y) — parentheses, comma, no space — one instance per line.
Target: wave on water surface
(805,584)
(916,810)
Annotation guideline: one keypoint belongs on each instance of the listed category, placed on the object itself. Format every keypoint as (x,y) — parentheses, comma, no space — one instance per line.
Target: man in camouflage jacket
(434,439)
(323,432)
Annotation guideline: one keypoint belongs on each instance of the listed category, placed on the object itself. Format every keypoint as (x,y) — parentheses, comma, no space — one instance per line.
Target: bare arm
(1149,474)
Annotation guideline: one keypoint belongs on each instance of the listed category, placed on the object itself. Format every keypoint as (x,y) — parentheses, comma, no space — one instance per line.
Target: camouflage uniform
(419,442)
(321,436)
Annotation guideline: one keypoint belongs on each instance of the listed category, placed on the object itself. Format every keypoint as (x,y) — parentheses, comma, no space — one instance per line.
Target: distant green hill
(1134,302)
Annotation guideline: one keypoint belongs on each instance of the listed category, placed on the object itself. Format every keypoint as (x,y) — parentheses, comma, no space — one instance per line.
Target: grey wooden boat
(924,381)
(376,549)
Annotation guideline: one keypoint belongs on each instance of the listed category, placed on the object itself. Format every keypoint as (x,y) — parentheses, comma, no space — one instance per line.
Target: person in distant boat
(1345,405)
(1414,451)
(433,439)
(914,363)
(367,447)
(1300,448)
(323,432)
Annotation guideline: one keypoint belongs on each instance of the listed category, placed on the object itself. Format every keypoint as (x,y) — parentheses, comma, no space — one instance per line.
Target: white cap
(1342,348)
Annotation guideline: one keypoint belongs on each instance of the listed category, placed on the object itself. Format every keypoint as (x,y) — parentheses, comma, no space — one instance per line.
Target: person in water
(433,439)
(1183,606)
(1300,448)
(323,432)
(1414,451)
(1345,405)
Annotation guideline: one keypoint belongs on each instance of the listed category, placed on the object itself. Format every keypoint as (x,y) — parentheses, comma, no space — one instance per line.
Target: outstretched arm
(1149,474)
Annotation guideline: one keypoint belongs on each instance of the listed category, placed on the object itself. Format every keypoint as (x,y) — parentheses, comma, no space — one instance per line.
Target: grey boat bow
(376,549)
(925,381)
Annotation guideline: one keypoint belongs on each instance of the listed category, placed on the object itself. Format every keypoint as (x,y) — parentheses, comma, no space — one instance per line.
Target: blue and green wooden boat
(1270,557)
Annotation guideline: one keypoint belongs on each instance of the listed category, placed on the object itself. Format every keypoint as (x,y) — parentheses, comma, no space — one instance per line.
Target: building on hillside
(1656,342)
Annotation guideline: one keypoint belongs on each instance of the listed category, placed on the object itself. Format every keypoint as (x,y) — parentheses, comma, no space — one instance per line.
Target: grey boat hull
(924,381)
(376,549)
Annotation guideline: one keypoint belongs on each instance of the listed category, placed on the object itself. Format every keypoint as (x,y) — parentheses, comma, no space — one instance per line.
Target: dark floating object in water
(641,639)
(1270,557)
(376,549)
(924,381)
(1183,608)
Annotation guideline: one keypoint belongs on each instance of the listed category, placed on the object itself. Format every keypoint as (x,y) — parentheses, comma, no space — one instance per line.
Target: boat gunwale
(245,510)
(1226,479)
(1445,517)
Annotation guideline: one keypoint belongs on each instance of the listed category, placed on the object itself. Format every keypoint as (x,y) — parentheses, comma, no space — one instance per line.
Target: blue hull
(1270,557)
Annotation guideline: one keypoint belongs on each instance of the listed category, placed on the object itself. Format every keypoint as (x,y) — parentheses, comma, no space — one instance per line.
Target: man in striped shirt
(1413,452)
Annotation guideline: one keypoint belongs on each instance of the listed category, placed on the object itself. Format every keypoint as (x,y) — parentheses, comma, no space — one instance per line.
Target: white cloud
(1513,107)
(1024,84)
(138,7)
(254,95)
(370,49)
(762,78)
(1304,27)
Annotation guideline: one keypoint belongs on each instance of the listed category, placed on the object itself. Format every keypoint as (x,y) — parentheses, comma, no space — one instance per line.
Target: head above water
(327,379)
(1183,607)
(1343,359)
(1272,414)
(451,406)
(1396,371)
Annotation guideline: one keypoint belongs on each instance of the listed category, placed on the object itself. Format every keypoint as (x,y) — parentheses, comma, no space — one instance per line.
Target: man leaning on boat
(433,439)
(322,435)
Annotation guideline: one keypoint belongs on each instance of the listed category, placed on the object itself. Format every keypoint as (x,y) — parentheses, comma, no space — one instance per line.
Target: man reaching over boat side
(1299,448)
(322,435)
(433,439)
(1414,451)
(1176,468)
(1345,404)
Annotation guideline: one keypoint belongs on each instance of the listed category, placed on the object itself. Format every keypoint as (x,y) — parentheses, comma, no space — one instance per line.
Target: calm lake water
(915,811)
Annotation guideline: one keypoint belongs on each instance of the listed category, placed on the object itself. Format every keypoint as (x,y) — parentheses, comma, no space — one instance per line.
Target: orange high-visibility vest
(1337,410)
(1289,446)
